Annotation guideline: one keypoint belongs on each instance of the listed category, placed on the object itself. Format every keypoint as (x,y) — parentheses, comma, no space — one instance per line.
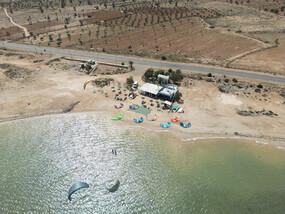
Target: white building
(163,79)
(155,91)
(168,92)
(150,90)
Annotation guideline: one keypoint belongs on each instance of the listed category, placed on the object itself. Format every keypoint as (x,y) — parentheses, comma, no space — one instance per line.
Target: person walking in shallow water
(114,151)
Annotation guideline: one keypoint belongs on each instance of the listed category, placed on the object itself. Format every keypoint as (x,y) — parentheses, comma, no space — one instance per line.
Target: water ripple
(41,157)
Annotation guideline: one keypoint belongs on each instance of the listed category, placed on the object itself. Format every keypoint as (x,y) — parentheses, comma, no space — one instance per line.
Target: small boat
(185,124)
(166,125)
(112,186)
(138,120)
(117,117)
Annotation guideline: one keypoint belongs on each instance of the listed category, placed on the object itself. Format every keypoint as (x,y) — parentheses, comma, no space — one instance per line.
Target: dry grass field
(220,32)
(273,6)
(271,60)
(189,38)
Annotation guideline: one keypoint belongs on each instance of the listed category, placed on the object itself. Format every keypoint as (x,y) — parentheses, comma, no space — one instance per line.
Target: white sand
(211,112)
(229,99)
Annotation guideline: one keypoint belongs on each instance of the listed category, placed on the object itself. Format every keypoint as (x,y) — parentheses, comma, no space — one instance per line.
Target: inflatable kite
(165,125)
(175,120)
(75,187)
(112,186)
(152,118)
(121,105)
(138,120)
(133,107)
(185,124)
(117,117)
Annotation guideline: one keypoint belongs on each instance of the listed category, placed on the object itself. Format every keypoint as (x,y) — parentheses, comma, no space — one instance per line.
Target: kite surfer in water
(114,151)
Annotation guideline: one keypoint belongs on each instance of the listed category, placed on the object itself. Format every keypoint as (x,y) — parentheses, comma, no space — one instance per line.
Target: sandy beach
(34,85)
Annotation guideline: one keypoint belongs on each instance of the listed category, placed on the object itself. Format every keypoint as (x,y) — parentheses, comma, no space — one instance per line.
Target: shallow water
(41,157)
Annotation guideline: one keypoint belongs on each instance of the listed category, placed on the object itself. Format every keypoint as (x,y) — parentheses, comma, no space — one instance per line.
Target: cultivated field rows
(201,31)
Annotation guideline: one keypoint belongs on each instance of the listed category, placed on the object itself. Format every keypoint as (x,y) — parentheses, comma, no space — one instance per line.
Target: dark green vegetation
(129,82)
(151,75)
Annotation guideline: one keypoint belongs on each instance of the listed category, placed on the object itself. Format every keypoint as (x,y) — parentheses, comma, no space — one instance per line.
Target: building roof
(150,88)
(167,103)
(161,76)
(169,90)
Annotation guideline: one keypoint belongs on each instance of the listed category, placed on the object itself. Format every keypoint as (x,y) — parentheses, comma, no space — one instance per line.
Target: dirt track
(26,32)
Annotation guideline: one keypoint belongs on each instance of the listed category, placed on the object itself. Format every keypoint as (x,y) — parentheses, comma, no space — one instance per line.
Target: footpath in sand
(26,32)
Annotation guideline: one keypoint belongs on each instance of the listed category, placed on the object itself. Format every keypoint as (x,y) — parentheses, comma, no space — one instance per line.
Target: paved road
(185,67)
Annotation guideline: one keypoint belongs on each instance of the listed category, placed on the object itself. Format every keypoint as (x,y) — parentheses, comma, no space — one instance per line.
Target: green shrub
(259,86)
(227,80)
(130,81)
